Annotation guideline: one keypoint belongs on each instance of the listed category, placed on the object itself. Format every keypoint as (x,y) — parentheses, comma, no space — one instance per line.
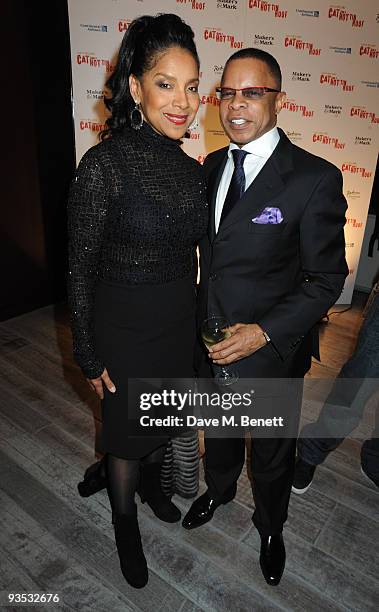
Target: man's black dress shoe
(272,558)
(202,510)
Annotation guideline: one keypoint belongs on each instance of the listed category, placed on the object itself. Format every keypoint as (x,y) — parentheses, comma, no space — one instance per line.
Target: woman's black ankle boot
(150,491)
(94,479)
(129,547)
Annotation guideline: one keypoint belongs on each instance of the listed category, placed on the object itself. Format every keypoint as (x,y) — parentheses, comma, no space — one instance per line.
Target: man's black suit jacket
(282,276)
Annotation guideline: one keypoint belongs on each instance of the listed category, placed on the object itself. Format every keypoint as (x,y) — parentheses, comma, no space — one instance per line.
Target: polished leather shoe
(202,510)
(272,558)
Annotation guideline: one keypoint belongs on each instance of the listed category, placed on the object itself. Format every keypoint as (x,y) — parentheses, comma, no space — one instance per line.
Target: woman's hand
(96,384)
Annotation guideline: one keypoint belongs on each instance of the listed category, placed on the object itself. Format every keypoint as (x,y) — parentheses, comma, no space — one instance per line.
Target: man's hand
(96,384)
(245,340)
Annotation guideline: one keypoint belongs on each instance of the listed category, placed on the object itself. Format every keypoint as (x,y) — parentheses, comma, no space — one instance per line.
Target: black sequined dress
(137,209)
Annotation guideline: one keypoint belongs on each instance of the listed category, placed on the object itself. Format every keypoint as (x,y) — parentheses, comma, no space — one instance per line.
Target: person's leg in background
(344,406)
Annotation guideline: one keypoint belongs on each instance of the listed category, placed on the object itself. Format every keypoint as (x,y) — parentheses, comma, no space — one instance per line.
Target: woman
(137,209)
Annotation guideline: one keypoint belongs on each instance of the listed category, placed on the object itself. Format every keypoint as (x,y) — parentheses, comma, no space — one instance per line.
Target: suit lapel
(213,183)
(268,184)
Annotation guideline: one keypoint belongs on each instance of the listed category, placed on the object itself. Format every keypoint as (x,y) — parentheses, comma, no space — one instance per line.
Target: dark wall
(38,152)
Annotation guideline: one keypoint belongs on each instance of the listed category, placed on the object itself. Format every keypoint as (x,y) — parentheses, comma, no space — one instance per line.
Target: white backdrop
(329,58)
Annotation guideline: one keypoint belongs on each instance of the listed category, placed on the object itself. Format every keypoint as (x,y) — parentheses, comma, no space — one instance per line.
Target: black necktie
(237,183)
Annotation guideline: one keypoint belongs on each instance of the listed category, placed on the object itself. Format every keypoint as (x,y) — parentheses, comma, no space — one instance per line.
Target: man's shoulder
(213,159)
(304,161)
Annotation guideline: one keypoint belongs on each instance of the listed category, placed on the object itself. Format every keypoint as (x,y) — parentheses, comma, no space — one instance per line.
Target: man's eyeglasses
(250,93)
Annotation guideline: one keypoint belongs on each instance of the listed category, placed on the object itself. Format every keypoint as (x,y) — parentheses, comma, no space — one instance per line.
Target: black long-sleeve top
(137,208)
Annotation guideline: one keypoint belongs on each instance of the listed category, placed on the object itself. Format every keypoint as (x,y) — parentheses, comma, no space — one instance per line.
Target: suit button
(213,277)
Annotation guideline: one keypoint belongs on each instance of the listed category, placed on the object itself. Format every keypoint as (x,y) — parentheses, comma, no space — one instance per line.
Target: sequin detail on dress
(137,208)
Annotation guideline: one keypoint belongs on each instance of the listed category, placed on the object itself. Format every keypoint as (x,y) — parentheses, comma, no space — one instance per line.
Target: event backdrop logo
(333,80)
(304,77)
(90,59)
(352,194)
(227,4)
(95,94)
(91,27)
(363,140)
(268,7)
(346,50)
(352,222)
(92,126)
(370,83)
(299,44)
(263,39)
(123,24)
(220,37)
(361,113)
(218,69)
(193,4)
(342,14)
(210,100)
(371,51)
(294,107)
(353,168)
(294,136)
(307,13)
(333,109)
(325,139)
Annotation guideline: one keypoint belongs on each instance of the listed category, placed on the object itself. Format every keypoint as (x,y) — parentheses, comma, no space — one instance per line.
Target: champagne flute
(213,330)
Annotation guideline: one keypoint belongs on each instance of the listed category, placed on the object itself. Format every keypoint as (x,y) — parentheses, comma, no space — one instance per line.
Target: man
(355,384)
(272,265)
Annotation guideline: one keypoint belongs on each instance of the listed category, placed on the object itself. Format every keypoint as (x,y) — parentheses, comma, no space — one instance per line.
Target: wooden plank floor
(51,540)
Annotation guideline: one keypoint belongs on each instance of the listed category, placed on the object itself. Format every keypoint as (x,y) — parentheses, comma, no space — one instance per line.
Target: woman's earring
(136,117)
(194,125)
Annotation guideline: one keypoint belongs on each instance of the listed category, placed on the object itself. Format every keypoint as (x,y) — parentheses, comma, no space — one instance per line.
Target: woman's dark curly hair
(146,38)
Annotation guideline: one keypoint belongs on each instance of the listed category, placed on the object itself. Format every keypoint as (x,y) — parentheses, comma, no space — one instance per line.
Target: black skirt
(142,331)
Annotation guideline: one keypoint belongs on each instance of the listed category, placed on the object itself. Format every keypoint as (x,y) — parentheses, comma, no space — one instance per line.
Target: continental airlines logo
(341,14)
(370,83)
(352,222)
(123,24)
(362,113)
(268,7)
(369,50)
(293,107)
(307,13)
(325,139)
(346,50)
(332,79)
(294,136)
(92,126)
(301,45)
(90,59)
(220,37)
(193,4)
(353,195)
(91,27)
(354,169)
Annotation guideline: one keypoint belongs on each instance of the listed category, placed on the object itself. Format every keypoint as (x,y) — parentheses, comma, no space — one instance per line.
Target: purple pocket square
(270,215)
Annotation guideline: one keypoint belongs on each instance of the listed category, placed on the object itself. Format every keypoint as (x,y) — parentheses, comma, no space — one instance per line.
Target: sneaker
(303,476)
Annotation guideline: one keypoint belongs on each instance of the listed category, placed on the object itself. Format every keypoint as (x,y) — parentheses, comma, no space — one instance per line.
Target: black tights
(123,478)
